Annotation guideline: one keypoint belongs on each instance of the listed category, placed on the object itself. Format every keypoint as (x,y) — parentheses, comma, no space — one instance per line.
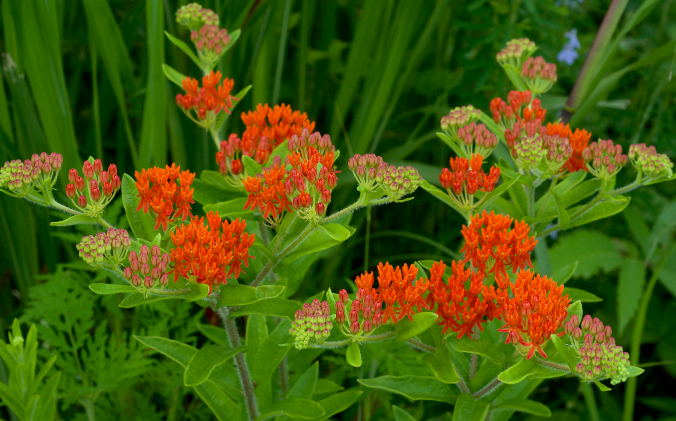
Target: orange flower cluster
(211,97)
(492,246)
(578,141)
(397,288)
(210,253)
(467,175)
(306,187)
(535,312)
(459,308)
(165,191)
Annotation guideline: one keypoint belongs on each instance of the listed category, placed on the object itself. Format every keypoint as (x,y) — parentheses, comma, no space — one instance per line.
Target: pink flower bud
(135,265)
(155,273)
(568,328)
(103,177)
(136,280)
(600,337)
(354,316)
(340,316)
(143,258)
(361,293)
(356,305)
(575,320)
(72,175)
(354,328)
(608,331)
(586,323)
(331,180)
(107,189)
(164,279)
(116,182)
(96,194)
(367,313)
(82,201)
(320,209)
(367,327)
(128,273)
(340,306)
(577,333)
(145,269)
(98,166)
(79,184)
(343,296)
(148,282)
(377,319)
(70,191)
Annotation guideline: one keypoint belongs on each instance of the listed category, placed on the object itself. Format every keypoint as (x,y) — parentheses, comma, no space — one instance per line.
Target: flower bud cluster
(229,157)
(536,150)
(372,172)
(98,187)
(649,162)
(312,324)
(476,138)
(517,108)
(211,42)
(600,357)
(516,51)
(459,117)
(110,245)
(20,177)
(194,16)
(604,159)
(149,268)
(305,188)
(362,314)
(466,177)
(538,75)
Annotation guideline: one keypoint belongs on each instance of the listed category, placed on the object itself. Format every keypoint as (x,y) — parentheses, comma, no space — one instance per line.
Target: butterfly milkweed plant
(237,280)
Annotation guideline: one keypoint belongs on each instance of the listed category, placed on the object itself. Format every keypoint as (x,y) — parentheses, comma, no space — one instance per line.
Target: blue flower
(569,54)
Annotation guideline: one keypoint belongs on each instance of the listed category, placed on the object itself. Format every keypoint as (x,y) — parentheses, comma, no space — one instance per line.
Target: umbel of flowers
(371,173)
(210,253)
(111,247)
(599,357)
(465,178)
(96,190)
(165,193)
(312,324)
(305,188)
(202,104)
(149,268)
(210,41)
(22,178)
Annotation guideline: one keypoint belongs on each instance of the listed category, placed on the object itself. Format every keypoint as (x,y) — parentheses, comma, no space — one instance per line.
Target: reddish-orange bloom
(165,191)
(461,309)
(535,312)
(267,193)
(491,244)
(466,175)
(267,127)
(210,252)
(210,97)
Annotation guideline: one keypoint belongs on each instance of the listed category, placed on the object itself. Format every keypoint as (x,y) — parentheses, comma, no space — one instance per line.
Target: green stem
(89,408)
(549,193)
(636,335)
(240,364)
(215,137)
(368,239)
(590,400)
(530,194)
(472,369)
(486,389)
(562,367)
(353,207)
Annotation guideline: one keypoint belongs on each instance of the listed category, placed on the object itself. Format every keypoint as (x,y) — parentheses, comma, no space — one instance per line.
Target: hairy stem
(590,400)
(472,370)
(240,364)
(530,194)
(636,335)
(283,378)
(487,389)
(562,367)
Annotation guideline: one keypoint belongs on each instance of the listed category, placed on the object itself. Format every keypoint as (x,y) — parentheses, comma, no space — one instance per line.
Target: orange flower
(535,312)
(210,253)
(267,193)
(489,241)
(467,176)
(267,127)
(210,97)
(166,192)
(578,141)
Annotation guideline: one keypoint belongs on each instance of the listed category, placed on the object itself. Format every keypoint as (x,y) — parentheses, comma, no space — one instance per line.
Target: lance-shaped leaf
(185,48)
(464,407)
(582,296)
(304,409)
(237,295)
(336,231)
(523,405)
(493,352)
(252,167)
(415,387)
(173,75)
(205,361)
(565,351)
(106,289)
(443,196)
(564,217)
(601,210)
(76,220)
(564,274)
(602,387)
(441,364)
(338,403)
(497,192)
(317,240)
(516,373)
(278,307)
(142,224)
(231,209)
(407,328)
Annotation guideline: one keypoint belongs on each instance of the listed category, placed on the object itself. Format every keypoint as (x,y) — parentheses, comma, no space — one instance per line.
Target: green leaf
(324,386)
(269,354)
(443,196)
(517,194)
(602,387)
(407,328)
(331,299)
(142,224)
(278,307)
(480,411)
(629,290)
(524,405)
(137,299)
(442,365)
(336,231)
(567,352)
(600,253)
(415,387)
(231,209)
(105,289)
(603,209)
(220,404)
(214,334)
(464,407)
(317,240)
(497,192)
(449,141)
(477,346)
(634,371)
(338,403)
(304,409)
(177,351)
(258,244)
(514,76)
(173,75)
(564,274)
(580,295)
(401,415)
(252,167)
(574,308)
(305,386)
(665,223)
(185,48)
(564,218)
(353,355)
(237,295)
(76,220)
(207,193)
(205,360)
(516,373)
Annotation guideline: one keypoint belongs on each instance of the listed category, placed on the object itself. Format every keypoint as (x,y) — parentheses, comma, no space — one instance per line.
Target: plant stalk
(590,400)
(240,364)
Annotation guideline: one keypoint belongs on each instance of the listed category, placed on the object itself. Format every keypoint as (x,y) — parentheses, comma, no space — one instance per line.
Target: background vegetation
(83,78)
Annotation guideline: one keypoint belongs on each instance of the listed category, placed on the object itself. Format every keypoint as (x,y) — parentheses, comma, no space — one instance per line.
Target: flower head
(604,158)
(148,268)
(371,172)
(194,16)
(210,41)
(536,310)
(96,190)
(539,75)
(23,177)
(166,192)
(516,51)
(492,246)
(312,324)
(459,117)
(202,104)
(210,253)
(649,162)
(578,142)
(112,245)
(465,177)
